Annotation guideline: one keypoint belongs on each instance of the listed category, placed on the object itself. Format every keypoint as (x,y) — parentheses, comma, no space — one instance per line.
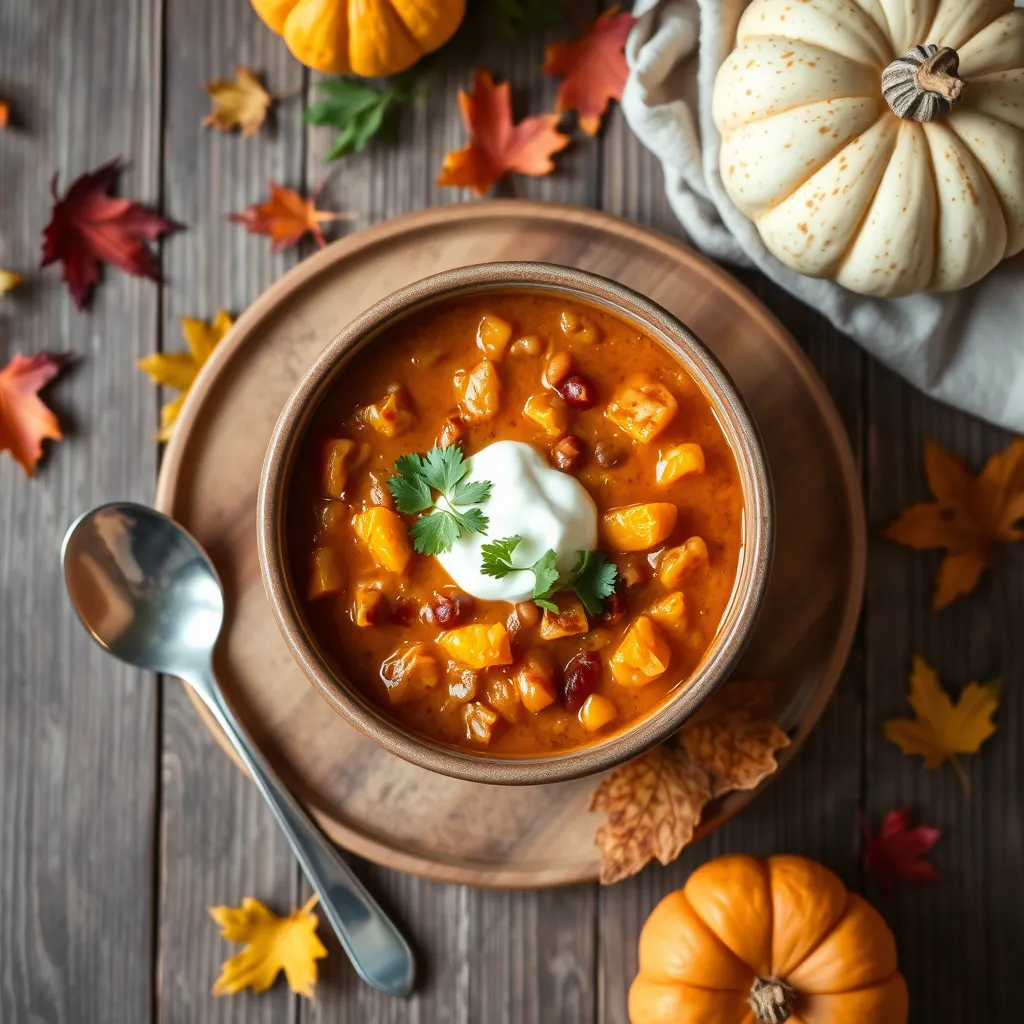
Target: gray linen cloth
(965,348)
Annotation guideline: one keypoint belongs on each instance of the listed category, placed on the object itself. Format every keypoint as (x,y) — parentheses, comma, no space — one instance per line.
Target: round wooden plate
(369,801)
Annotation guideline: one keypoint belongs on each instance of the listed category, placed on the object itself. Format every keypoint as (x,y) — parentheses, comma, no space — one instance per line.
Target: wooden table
(120,818)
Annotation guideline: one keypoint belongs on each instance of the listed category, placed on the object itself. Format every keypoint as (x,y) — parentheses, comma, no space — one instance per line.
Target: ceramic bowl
(751,577)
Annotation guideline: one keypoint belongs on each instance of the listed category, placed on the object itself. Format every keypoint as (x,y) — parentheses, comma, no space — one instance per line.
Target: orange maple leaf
(594,67)
(24,421)
(496,145)
(969,516)
(5,113)
(285,217)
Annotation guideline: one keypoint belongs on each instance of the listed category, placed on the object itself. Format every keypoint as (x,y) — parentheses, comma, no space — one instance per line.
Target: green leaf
(359,110)
(517,16)
(497,557)
(443,468)
(408,487)
(593,579)
(547,605)
(472,520)
(545,574)
(434,533)
(475,493)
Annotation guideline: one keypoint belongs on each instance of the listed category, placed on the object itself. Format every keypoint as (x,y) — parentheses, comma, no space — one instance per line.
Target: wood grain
(219,842)
(77,732)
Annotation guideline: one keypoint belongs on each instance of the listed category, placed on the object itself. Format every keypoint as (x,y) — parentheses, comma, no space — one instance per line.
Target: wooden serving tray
(371,802)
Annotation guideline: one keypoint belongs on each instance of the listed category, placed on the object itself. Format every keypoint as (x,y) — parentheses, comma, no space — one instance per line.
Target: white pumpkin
(842,186)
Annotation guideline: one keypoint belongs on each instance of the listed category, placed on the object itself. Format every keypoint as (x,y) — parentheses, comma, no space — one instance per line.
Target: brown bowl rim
(740,615)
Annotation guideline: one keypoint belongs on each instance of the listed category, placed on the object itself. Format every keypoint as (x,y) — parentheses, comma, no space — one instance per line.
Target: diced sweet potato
(479,721)
(392,415)
(688,561)
(642,656)
(479,645)
(324,574)
(570,620)
(639,527)
(409,673)
(596,713)
(452,431)
(678,461)
(369,607)
(337,456)
(502,695)
(535,682)
(669,611)
(382,534)
(478,391)
(548,412)
(643,409)
(493,336)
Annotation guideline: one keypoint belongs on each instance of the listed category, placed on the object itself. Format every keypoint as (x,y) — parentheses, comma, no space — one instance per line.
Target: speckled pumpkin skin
(362,37)
(788,918)
(841,188)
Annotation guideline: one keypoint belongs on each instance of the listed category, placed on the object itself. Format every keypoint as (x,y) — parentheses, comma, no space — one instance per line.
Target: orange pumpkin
(760,942)
(364,37)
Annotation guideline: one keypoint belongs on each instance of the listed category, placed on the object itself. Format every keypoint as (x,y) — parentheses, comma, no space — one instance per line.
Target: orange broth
(418,359)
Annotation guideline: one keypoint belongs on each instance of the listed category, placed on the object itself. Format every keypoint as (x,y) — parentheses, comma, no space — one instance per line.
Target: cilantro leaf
(593,579)
(516,16)
(549,606)
(545,574)
(408,487)
(434,533)
(497,557)
(360,110)
(413,487)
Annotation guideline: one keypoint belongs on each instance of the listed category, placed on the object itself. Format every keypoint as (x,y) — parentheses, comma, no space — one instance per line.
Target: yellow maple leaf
(179,370)
(272,944)
(943,729)
(969,516)
(8,280)
(239,102)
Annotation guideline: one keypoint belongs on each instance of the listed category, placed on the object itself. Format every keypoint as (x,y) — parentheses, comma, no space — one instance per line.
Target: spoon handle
(378,952)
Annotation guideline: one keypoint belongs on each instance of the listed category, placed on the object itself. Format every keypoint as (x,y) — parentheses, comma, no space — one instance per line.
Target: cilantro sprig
(413,486)
(591,579)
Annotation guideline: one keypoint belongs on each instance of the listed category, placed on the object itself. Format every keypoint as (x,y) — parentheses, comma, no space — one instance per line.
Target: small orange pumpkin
(364,37)
(748,941)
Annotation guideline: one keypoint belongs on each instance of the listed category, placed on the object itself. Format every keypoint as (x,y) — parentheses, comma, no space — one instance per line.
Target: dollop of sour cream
(529,498)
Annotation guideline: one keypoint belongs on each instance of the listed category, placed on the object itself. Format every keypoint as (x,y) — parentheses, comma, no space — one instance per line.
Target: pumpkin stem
(924,83)
(771,1000)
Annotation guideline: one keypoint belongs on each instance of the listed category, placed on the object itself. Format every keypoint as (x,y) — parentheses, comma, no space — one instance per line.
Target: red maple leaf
(285,217)
(496,145)
(594,67)
(24,421)
(89,226)
(895,854)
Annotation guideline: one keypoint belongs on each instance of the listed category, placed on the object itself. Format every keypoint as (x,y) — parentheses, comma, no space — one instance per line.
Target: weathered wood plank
(219,842)
(959,940)
(812,809)
(508,957)
(77,731)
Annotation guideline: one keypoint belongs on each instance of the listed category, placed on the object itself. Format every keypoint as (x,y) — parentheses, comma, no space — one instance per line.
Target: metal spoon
(148,594)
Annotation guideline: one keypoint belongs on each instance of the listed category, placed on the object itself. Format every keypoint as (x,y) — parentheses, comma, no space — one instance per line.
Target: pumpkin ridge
(409,34)
(784,41)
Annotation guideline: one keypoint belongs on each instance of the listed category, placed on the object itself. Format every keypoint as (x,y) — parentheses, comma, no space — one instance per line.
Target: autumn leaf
(653,803)
(360,110)
(594,68)
(895,854)
(285,217)
(89,226)
(25,422)
(8,280)
(179,370)
(734,741)
(5,114)
(969,516)
(943,729)
(239,102)
(496,145)
(272,944)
